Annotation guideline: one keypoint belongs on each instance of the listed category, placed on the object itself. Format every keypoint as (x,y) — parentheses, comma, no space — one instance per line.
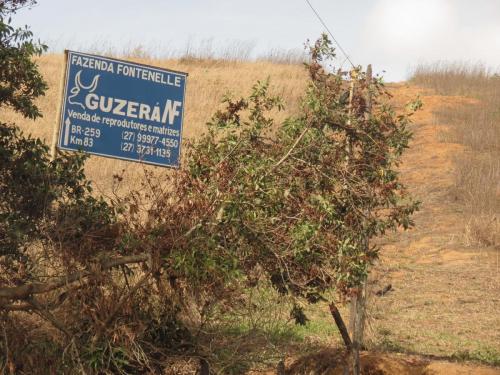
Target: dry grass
(477,126)
(209,80)
(202,49)
(456,78)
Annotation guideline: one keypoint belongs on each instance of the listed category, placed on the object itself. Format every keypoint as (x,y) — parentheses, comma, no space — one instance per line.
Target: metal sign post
(55,134)
(122,110)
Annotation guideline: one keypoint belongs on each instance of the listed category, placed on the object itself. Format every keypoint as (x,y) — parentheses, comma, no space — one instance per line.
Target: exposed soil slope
(446,297)
(385,364)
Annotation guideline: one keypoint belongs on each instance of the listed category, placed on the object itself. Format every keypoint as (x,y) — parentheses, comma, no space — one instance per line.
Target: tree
(304,201)
(49,219)
(301,201)
(296,203)
(38,197)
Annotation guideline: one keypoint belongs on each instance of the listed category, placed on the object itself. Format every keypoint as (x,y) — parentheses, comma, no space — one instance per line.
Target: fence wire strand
(330,33)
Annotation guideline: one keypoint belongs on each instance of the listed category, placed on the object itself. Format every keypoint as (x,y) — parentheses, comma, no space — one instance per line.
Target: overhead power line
(329,32)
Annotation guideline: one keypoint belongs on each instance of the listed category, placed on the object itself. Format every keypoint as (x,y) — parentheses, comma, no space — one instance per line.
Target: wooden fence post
(354,76)
(358,300)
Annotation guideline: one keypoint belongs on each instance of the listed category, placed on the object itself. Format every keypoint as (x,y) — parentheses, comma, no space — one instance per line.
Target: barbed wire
(330,33)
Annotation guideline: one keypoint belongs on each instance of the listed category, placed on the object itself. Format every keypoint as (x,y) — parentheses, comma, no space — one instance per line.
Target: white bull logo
(80,91)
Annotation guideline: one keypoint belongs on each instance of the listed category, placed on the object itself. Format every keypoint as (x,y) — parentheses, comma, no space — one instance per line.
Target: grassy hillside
(209,80)
(445,289)
(444,297)
(476,126)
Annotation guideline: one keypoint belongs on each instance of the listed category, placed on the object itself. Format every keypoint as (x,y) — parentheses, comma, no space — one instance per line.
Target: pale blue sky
(393,35)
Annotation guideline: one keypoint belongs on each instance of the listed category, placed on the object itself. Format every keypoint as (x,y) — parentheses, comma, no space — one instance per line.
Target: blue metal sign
(122,110)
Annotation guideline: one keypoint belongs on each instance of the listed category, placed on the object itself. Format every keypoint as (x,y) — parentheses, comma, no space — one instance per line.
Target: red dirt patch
(329,362)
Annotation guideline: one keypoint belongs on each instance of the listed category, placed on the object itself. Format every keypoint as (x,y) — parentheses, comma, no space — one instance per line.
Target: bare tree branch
(120,304)
(292,148)
(25,291)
